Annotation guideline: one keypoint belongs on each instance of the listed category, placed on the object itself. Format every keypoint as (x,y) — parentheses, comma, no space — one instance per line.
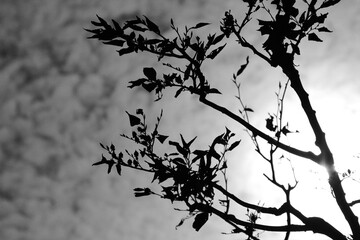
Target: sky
(61,94)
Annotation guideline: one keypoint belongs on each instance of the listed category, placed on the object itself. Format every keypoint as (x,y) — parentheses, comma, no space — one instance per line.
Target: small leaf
(125,51)
(161,138)
(118,168)
(115,42)
(242,67)
(152,41)
(102,21)
(110,165)
(218,39)
(234,145)
(302,17)
(285,131)
(178,92)
(314,37)
(136,83)
(185,144)
(102,145)
(180,149)
(329,3)
(96,24)
(324,29)
(200,220)
(136,28)
(112,147)
(150,73)
(200,25)
(134,120)
(269,124)
(321,18)
(102,161)
(152,26)
(213,90)
(140,192)
(139,111)
(149,86)
(117,26)
(248,109)
(215,52)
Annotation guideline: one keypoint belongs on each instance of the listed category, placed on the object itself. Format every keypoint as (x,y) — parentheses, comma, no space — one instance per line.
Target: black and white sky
(61,94)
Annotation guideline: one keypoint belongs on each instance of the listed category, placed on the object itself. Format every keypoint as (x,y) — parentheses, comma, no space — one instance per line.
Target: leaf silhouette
(242,67)
(200,25)
(125,51)
(215,52)
(269,124)
(214,90)
(234,145)
(150,73)
(218,39)
(248,109)
(178,92)
(110,164)
(102,161)
(115,42)
(118,168)
(149,86)
(314,37)
(329,3)
(102,21)
(285,131)
(324,29)
(152,26)
(200,220)
(117,26)
(140,192)
(161,138)
(134,120)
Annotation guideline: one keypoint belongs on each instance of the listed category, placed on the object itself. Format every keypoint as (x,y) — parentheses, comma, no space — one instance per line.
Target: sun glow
(339,119)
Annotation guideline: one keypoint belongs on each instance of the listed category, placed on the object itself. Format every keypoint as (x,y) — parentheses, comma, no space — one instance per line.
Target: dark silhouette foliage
(198,177)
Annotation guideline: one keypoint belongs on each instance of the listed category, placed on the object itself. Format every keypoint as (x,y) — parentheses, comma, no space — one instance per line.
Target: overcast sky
(61,94)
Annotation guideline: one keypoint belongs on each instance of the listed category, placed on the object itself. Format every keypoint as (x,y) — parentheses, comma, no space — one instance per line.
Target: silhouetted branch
(309,155)
(354,202)
(233,219)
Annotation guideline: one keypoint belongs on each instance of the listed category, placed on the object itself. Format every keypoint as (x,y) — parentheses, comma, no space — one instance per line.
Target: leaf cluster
(184,175)
(131,37)
(286,27)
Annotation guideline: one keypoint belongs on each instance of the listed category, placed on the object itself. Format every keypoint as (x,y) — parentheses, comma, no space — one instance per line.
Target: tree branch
(232,218)
(269,210)
(309,155)
(326,156)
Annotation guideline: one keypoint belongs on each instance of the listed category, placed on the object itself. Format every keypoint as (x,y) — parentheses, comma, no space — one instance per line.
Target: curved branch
(309,155)
(267,210)
(233,219)
(315,224)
